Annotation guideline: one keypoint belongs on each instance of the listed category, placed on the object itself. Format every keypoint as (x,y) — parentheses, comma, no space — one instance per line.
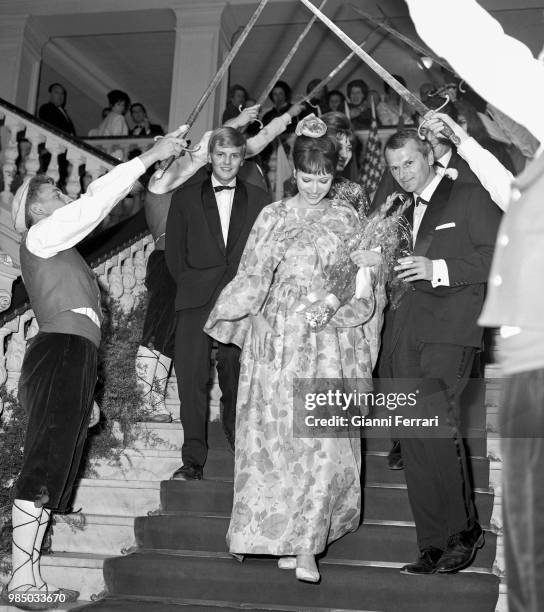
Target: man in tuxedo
(54,113)
(206,231)
(445,156)
(432,337)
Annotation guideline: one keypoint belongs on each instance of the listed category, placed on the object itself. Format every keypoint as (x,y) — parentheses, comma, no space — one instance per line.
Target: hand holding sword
(404,93)
(216,80)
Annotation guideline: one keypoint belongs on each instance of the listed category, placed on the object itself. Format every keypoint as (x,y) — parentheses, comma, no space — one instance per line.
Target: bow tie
(219,188)
(421,201)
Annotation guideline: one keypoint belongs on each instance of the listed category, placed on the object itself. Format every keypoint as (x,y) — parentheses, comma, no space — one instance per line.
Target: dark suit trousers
(522,443)
(192,363)
(436,467)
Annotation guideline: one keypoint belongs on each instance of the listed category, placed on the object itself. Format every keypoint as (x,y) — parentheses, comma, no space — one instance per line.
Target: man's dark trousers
(193,361)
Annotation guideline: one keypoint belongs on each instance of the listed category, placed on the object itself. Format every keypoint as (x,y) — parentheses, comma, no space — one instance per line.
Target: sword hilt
(166,163)
(448,133)
(163,166)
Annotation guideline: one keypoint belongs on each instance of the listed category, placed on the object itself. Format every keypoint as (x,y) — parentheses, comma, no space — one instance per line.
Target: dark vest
(58,284)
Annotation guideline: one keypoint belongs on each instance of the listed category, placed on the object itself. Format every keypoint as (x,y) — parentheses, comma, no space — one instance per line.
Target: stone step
(150,604)
(82,572)
(98,534)
(169,436)
(116,497)
(379,542)
(258,582)
(156,465)
(74,606)
(151,464)
(380,501)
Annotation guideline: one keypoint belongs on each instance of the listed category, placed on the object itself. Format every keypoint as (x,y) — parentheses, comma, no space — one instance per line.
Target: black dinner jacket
(51,114)
(460,226)
(198,260)
(389,185)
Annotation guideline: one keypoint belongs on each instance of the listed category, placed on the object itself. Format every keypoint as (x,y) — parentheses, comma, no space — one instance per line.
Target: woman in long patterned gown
(293,495)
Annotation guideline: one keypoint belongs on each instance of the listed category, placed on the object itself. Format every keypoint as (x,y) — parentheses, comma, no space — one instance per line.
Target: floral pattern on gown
(291,495)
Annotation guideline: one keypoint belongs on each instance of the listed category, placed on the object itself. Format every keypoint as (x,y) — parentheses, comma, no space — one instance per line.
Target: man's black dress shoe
(394,458)
(188,472)
(461,550)
(426,562)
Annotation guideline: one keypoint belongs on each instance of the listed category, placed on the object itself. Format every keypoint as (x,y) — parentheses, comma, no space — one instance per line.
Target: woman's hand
(318,308)
(262,333)
(366,258)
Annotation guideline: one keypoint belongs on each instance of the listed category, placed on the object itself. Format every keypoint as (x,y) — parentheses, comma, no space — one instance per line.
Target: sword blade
(399,36)
(288,58)
(404,93)
(335,71)
(216,80)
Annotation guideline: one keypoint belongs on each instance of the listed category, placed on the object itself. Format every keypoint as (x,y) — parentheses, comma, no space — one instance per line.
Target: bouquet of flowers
(385,236)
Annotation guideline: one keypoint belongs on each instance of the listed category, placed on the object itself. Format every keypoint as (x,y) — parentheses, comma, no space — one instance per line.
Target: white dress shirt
(185,166)
(67,226)
(440,267)
(493,176)
(444,161)
(224,199)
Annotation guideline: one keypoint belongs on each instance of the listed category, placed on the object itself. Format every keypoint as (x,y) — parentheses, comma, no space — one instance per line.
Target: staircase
(181,562)
(176,559)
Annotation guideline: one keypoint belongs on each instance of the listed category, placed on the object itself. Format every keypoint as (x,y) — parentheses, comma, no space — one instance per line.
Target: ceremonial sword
(165,164)
(408,41)
(288,58)
(403,92)
(336,70)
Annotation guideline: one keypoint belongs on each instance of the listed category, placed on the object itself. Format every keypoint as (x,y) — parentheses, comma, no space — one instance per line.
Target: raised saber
(288,58)
(335,71)
(403,92)
(399,36)
(165,164)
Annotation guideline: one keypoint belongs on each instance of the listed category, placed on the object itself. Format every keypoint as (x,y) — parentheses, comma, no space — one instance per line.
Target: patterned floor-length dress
(291,495)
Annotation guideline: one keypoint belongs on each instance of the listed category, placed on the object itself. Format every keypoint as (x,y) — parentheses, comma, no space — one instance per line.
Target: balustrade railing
(30,146)
(121,275)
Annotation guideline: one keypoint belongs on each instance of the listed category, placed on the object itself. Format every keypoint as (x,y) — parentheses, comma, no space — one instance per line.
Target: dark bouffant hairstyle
(400,138)
(286,90)
(357,83)
(116,95)
(227,137)
(315,155)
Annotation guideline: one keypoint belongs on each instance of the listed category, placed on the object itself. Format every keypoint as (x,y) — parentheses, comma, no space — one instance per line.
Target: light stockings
(152,369)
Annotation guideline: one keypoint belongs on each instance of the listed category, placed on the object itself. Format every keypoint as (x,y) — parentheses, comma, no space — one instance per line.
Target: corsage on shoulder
(311,126)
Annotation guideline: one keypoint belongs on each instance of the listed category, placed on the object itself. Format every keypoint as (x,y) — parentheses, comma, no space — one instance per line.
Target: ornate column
(203,34)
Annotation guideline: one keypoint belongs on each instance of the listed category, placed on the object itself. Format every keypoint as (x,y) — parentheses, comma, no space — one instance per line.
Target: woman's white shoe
(287,563)
(307,575)
(306,569)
